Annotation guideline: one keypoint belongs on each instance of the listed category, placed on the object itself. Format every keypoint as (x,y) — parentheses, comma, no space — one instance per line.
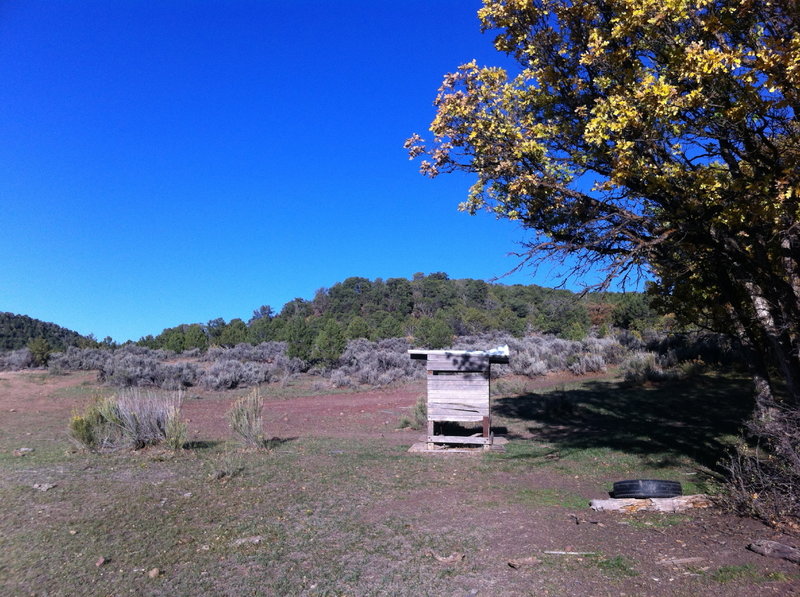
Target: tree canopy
(645,136)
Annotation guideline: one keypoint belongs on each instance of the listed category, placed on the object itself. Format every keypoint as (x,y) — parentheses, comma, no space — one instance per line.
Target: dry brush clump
(378,363)
(536,355)
(16,360)
(128,366)
(419,415)
(764,474)
(131,369)
(245,365)
(130,419)
(231,374)
(708,347)
(246,420)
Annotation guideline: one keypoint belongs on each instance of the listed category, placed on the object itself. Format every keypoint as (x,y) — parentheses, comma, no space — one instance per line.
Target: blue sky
(172,162)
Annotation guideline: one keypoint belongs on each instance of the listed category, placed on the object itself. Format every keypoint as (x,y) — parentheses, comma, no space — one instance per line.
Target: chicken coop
(458,385)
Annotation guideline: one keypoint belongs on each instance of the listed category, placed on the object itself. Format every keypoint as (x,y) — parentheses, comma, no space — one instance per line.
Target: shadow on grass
(201,445)
(276,442)
(667,421)
(269,444)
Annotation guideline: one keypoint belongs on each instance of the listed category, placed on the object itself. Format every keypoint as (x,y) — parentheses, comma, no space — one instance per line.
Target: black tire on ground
(646,488)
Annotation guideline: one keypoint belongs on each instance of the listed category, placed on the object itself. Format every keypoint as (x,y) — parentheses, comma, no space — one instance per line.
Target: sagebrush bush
(245,419)
(587,363)
(378,363)
(16,360)
(716,349)
(130,419)
(79,359)
(640,367)
(228,375)
(246,365)
(135,369)
(419,415)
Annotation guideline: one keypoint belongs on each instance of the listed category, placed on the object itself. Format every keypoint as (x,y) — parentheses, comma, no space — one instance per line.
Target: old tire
(646,488)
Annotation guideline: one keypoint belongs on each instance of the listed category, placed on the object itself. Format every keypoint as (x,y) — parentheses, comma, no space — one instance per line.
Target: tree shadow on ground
(665,421)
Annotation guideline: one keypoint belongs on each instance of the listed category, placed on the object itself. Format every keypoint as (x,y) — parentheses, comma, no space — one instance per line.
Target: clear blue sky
(175,161)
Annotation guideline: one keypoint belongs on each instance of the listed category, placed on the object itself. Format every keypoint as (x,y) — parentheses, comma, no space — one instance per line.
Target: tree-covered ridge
(431,308)
(17,330)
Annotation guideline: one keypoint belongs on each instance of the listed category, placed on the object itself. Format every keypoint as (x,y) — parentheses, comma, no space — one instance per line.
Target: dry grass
(343,515)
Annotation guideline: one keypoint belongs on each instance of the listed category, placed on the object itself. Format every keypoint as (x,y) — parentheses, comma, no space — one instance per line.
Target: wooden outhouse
(458,391)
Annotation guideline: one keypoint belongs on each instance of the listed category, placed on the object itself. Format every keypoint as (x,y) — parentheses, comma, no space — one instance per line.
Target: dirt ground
(511,558)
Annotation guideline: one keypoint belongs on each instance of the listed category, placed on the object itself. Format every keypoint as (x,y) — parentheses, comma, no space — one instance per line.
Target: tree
(357,328)
(40,351)
(263,312)
(233,333)
(646,137)
(298,335)
(329,344)
(433,333)
(194,337)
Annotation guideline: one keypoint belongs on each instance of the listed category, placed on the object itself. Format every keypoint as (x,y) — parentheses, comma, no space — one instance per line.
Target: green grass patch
(657,521)
(616,566)
(734,573)
(548,497)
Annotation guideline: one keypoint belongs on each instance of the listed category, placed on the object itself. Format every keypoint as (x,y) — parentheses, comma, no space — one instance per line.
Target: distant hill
(423,306)
(17,330)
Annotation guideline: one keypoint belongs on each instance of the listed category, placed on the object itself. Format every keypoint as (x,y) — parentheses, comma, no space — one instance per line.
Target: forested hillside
(17,330)
(433,308)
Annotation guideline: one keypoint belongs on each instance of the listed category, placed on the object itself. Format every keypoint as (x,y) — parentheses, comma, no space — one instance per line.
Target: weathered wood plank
(458,398)
(456,418)
(458,439)
(469,395)
(445,376)
(457,413)
(450,410)
(438,382)
(423,355)
(477,385)
(455,362)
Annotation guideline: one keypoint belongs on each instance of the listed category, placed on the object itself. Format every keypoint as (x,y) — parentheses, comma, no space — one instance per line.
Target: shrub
(228,375)
(80,359)
(135,369)
(587,363)
(375,363)
(245,419)
(764,480)
(16,360)
(93,427)
(640,367)
(131,419)
(40,351)
(419,415)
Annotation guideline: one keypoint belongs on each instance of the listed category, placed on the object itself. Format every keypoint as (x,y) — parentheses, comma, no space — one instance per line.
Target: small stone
(43,486)
(154,573)
(73,532)
(101,562)
(254,540)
